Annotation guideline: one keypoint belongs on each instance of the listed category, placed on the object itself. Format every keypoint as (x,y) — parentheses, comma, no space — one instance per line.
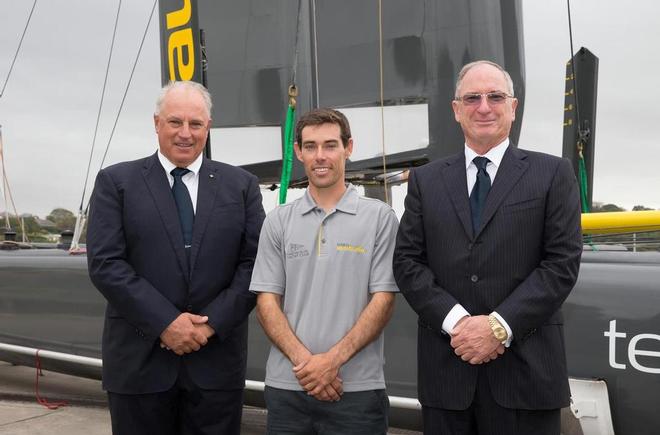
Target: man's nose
(185,130)
(484,106)
(320,153)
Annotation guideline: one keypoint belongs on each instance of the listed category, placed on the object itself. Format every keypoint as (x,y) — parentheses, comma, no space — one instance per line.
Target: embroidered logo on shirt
(351,248)
(296,251)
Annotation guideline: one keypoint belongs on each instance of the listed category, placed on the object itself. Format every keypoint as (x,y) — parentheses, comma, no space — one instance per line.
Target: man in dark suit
(487,251)
(171,243)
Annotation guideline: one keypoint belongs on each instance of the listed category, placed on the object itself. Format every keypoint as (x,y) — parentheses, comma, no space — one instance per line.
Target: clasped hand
(319,376)
(187,333)
(473,340)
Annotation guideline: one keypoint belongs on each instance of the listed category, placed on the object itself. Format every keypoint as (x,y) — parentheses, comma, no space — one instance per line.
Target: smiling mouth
(321,171)
(184,145)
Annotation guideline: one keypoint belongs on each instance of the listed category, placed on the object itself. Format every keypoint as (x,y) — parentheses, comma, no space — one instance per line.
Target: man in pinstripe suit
(487,251)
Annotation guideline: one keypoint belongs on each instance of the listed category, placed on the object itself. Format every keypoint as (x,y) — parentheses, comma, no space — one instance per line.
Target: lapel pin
(211,176)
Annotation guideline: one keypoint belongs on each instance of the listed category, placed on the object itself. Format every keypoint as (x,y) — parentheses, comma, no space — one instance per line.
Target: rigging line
(4,184)
(394,175)
(316,54)
(575,90)
(296,49)
(18,49)
(9,198)
(382,95)
(241,86)
(582,132)
(128,85)
(98,115)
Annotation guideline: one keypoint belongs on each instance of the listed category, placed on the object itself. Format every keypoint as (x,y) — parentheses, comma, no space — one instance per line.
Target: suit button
(474,278)
(189,308)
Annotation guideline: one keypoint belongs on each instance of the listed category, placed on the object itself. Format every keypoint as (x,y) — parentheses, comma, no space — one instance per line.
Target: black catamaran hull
(48,302)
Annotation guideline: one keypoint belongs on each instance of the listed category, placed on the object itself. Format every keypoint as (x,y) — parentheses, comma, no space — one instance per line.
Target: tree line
(40,230)
(61,219)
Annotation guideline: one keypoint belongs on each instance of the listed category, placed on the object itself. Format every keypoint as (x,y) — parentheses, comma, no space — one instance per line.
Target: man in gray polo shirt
(325,288)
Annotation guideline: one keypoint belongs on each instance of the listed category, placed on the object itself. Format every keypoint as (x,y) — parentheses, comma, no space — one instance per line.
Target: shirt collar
(349,200)
(348,203)
(168,166)
(307,203)
(495,154)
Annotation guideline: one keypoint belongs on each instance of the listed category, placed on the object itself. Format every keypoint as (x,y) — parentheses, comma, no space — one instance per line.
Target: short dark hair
(324,116)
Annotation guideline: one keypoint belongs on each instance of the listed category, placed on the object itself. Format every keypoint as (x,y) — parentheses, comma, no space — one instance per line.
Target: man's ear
(514,105)
(298,151)
(454,105)
(349,148)
(156,122)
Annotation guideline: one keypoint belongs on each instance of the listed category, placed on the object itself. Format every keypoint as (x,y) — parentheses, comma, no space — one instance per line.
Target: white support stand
(591,406)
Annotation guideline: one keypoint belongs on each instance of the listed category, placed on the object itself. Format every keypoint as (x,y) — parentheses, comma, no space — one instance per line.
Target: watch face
(500,333)
(498,330)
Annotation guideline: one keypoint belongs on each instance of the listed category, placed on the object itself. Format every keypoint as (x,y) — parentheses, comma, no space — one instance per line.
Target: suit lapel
(455,179)
(156,180)
(513,166)
(209,180)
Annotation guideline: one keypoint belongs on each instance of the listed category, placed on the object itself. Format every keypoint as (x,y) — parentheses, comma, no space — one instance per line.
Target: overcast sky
(50,105)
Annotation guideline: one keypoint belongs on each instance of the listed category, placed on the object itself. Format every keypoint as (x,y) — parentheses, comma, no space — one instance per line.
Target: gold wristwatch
(498,330)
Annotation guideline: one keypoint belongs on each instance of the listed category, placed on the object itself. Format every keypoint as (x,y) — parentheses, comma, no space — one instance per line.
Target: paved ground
(87,412)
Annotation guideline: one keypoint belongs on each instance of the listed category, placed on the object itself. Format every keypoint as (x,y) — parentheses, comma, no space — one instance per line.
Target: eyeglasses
(473,99)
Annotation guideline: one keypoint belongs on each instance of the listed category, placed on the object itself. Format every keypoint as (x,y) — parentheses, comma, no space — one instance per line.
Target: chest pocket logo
(345,247)
(295,250)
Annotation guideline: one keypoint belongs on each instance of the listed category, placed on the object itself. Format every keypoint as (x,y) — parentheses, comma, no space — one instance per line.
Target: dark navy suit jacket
(137,261)
(522,262)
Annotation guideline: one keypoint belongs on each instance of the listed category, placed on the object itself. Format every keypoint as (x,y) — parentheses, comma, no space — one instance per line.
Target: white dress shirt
(495,156)
(191,179)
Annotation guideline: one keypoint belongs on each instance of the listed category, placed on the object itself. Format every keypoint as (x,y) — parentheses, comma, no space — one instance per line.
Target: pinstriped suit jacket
(522,262)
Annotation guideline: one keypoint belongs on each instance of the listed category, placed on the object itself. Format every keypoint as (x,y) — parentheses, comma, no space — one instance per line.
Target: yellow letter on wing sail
(179,41)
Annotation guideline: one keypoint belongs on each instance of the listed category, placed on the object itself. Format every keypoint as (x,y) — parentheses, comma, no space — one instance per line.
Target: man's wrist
(498,329)
(299,357)
(455,315)
(337,356)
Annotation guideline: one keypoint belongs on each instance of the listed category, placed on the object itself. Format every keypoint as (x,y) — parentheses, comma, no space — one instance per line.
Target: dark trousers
(295,412)
(486,417)
(184,409)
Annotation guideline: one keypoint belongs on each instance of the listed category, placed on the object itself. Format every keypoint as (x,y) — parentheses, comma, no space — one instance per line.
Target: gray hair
(188,85)
(469,66)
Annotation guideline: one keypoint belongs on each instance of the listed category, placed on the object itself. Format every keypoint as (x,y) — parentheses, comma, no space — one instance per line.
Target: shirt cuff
(454,315)
(507,343)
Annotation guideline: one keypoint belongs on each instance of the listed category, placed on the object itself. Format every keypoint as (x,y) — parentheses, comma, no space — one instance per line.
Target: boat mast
(4,184)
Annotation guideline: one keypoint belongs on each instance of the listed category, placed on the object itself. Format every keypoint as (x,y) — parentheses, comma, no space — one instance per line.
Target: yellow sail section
(620,222)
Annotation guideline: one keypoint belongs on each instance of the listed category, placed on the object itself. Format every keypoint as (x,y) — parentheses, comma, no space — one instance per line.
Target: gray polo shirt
(326,266)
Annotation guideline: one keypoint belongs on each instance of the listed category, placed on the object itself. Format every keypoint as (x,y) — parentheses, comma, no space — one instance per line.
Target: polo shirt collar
(307,203)
(348,202)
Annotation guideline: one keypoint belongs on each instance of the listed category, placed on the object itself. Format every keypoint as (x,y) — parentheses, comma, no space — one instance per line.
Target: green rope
(582,171)
(287,155)
(582,174)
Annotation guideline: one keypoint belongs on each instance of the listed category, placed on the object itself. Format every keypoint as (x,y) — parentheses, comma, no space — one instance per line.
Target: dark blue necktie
(479,191)
(183,205)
